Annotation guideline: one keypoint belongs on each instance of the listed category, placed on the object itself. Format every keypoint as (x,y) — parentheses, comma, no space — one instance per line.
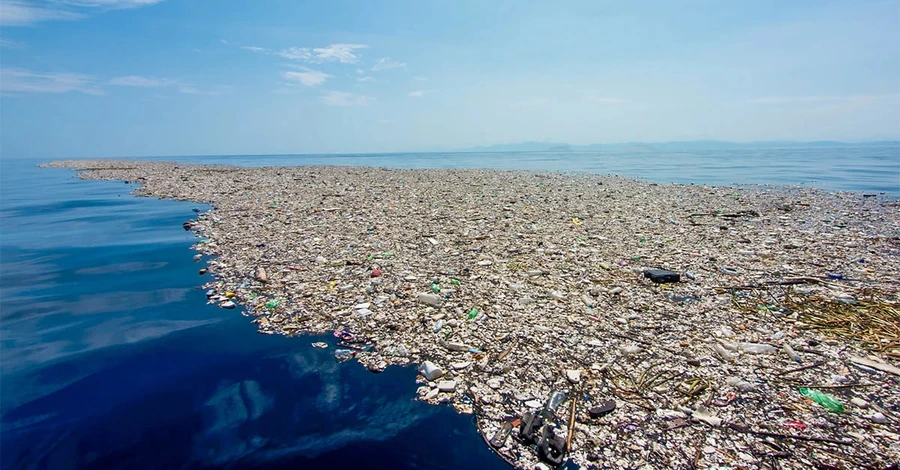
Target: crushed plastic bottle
(823,399)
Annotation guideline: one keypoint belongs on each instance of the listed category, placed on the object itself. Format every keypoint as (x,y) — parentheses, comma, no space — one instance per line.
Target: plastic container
(430,371)
(823,399)
(430,299)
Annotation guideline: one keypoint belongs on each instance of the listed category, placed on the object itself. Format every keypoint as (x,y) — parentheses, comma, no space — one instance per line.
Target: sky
(110,78)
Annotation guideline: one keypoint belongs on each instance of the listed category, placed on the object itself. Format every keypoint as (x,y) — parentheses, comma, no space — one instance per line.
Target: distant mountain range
(686,145)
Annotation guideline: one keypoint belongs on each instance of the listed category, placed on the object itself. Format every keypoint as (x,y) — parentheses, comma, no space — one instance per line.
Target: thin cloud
(143,82)
(10,44)
(26,13)
(385,63)
(257,49)
(365,79)
(306,77)
(385,121)
(344,98)
(420,93)
(17,80)
(138,81)
(420,78)
(341,53)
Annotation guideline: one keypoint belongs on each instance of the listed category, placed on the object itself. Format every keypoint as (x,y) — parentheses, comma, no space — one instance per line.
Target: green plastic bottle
(823,399)
(473,313)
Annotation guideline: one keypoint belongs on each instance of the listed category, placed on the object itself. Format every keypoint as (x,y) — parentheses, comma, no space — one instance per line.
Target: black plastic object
(531,424)
(551,447)
(661,276)
(602,410)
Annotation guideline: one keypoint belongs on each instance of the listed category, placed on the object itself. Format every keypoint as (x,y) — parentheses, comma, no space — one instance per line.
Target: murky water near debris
(110,357)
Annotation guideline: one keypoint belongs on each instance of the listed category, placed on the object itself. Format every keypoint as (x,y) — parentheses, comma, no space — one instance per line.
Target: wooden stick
(571,425)
(798,369)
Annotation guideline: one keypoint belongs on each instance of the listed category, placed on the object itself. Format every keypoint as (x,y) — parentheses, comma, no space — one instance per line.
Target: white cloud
(307,77)
(342,53)
(224,41)
(25,13)
(260,50)
(385,63)
(365,79)
(420,93)
(296,53)
(360,71)
(343,98)
(144,82)
(420,78)
(16,80)
(20,13)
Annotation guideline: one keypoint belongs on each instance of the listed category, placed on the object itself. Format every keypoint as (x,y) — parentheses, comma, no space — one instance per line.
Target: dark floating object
(599,411)
(662,276)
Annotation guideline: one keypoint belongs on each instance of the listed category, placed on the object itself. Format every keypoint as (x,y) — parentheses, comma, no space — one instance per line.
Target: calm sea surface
(110,357)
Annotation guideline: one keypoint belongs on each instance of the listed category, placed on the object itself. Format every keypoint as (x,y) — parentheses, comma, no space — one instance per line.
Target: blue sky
(83,78)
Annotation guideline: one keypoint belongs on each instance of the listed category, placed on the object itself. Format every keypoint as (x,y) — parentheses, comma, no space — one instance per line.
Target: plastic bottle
(757,348)
(473,313)
(823,399)
(790,352)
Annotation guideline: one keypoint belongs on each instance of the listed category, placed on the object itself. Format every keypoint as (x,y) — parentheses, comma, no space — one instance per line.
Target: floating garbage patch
(583,319)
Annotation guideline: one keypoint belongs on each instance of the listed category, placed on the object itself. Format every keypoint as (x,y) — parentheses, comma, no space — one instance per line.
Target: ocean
(110,357)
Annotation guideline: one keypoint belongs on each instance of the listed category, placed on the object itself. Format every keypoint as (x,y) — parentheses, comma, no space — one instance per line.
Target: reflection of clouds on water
(316,406)
(121,268)
(132,330)
(117,301)
(38,349)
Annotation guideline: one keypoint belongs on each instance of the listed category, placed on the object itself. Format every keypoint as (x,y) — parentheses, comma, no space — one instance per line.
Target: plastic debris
(553,296)
(662,276)
(823,399)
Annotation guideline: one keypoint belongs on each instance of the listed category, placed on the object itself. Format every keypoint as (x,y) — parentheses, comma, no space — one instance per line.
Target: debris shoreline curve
(609,322)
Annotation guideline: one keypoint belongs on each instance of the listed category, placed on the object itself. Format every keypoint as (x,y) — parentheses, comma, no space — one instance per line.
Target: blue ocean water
(110,358)
(865,169)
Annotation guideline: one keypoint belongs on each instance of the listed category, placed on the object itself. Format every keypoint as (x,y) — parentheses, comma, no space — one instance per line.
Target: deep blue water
(868,169)
(109,356)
